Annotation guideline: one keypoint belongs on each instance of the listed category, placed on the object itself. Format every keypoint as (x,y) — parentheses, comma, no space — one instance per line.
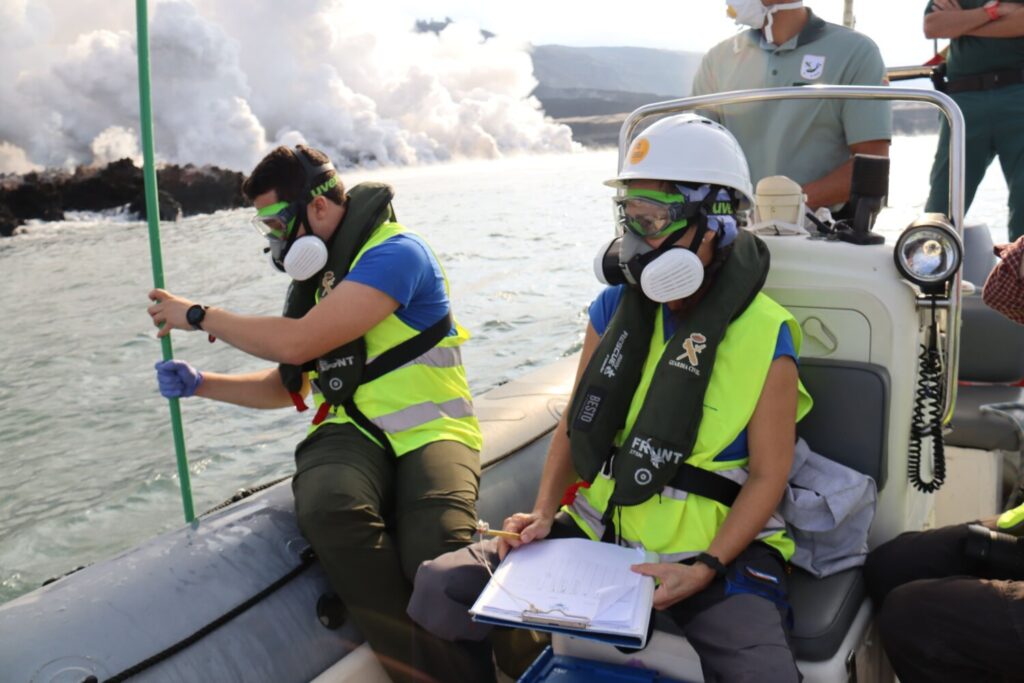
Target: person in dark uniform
(985,75)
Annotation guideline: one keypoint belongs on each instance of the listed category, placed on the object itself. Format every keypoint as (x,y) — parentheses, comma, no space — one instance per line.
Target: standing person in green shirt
(810,141)
(389,471)
(985,75)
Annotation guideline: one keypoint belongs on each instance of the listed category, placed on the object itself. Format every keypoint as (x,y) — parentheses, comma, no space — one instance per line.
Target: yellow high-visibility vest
(423,401)
(675,524)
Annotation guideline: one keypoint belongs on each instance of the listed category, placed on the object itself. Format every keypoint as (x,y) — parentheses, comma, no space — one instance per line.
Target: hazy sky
(228,75)
(673,24)
(680,24)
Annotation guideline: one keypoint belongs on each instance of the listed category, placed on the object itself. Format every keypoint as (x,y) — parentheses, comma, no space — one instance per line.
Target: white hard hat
(688,148)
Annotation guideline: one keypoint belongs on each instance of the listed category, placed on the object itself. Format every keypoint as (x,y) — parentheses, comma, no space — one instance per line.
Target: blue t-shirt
(603,308)
(404,268)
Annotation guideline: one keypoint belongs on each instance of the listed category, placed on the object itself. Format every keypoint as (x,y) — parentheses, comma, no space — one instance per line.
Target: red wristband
(992,9)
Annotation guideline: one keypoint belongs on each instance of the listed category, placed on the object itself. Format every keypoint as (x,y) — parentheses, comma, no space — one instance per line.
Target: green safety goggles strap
(323,187)
(663,197)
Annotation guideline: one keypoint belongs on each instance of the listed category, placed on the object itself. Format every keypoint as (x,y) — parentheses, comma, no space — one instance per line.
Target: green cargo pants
(372,519)
(995,127)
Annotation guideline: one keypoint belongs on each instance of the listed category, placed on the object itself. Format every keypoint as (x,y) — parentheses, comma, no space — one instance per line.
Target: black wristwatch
(195,314)
(713,562)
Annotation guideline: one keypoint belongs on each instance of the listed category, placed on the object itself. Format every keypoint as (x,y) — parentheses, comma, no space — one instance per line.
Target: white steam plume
(116,143)
(230,81)
(14,160)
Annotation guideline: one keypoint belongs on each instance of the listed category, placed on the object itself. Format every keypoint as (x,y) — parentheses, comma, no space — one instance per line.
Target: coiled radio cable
(926,421)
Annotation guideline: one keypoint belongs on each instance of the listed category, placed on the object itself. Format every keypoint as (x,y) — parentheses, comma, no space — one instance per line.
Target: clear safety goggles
(651,214)
(276,221)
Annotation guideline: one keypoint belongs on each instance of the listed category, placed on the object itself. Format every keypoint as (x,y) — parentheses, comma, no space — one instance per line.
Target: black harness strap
(409,350)
(705,484)
(693,480)
(392,359)
(376,432)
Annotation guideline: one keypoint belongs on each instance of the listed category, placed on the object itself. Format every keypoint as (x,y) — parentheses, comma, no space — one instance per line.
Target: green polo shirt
(970,55)
(807,139)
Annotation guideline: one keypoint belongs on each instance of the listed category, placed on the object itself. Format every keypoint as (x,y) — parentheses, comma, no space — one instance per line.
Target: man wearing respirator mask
(812,142)
(687,385)
(389,472)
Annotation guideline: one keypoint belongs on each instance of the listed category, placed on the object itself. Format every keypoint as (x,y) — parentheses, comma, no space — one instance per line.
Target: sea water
(87,464)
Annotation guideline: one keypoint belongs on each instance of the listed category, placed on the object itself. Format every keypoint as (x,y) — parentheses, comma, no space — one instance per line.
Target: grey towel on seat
(828,509)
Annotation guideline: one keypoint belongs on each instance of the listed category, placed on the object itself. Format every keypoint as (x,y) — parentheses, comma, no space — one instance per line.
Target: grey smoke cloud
(232,80)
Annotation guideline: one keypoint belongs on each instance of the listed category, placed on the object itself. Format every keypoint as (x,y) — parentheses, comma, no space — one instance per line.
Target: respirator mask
(668,272)
(754,14)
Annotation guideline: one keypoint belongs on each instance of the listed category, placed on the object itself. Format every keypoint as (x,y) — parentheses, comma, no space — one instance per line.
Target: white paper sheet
(575,579)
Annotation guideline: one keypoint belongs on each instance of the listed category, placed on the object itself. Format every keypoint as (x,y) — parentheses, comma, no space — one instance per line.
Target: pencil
(501,534)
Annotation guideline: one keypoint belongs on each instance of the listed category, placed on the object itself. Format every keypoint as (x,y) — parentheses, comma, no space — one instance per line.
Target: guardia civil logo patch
(327,283)
(689,359)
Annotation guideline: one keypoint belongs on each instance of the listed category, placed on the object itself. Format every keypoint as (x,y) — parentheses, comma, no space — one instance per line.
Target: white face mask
(676,274)
(305,258)
(754,14)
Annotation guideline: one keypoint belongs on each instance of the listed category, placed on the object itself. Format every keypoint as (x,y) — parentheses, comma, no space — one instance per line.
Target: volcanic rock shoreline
(184,191)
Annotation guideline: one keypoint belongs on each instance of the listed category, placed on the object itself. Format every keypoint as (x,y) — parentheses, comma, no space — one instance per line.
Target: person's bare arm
(771,438)
(949,20)
(260,389)
(834,188)
(347,313)
(1010,25)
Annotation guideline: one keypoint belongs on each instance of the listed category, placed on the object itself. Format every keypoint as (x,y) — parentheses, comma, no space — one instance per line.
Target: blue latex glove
(177,379)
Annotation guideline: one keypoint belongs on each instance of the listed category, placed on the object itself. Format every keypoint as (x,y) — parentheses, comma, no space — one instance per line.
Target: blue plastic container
(552,668)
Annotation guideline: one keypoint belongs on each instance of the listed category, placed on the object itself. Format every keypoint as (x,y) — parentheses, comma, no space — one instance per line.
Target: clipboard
(575,587)
(636,642)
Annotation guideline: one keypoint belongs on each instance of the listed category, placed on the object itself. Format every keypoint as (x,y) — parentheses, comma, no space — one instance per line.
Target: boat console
(864,322)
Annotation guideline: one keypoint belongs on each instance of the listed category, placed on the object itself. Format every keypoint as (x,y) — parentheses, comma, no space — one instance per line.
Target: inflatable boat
(238,596)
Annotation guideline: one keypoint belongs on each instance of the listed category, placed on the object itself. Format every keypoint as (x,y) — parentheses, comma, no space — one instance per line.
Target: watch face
(195,315)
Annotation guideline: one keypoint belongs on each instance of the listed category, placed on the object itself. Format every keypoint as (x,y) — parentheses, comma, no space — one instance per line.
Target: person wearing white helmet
(809,141)
(680,434)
